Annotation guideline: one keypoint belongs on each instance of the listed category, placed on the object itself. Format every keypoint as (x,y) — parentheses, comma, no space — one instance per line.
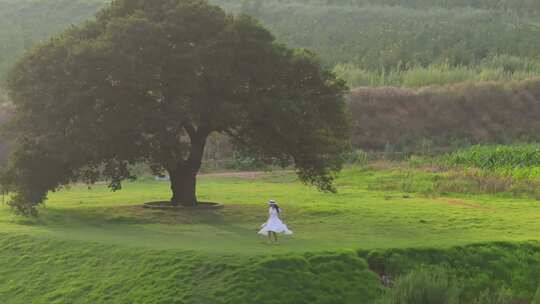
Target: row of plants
(519,161)
(496,68)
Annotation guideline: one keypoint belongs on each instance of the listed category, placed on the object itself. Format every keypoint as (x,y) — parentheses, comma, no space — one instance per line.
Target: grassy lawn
(358,217)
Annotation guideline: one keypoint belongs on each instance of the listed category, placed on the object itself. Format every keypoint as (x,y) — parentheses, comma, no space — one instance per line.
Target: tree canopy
(148,81)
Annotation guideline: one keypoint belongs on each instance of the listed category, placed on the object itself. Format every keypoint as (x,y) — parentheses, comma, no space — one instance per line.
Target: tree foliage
(149,81)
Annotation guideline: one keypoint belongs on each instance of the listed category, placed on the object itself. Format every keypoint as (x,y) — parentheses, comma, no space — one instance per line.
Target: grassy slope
(39,271)
(91,246)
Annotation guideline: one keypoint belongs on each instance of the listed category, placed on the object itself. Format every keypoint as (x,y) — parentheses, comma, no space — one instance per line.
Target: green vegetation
(23,23)
(390,42)
(526,7)
(461,227)
(387,37)
(438,74)
(102,247)
(484,273)
(369,211)
(520,161)
(73,272)
(409,43)
(423,286)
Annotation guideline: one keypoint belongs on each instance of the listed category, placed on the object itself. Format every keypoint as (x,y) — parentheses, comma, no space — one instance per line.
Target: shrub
(475,113)
(426,285)
(483,271)
(501,296)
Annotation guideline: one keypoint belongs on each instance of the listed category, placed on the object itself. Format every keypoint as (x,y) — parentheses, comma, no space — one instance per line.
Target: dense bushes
(445,116)
(482,271)
(423,286)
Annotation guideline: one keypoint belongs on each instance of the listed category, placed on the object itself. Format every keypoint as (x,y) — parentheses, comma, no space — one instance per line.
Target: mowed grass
(357,217)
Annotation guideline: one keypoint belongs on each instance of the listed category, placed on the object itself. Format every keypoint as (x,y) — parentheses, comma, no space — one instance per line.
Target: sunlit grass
(361,216)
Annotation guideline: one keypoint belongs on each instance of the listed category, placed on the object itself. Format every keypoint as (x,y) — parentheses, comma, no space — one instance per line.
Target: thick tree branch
(190,130)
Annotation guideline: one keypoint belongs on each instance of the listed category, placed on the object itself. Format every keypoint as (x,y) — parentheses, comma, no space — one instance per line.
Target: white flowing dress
(274,224)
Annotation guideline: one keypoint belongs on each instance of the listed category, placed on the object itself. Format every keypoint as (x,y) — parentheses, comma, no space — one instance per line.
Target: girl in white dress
(274,225)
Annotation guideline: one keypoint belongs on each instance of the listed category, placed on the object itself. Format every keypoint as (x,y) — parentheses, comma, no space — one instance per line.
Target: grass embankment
(47,271)
(94,246)
(51,271)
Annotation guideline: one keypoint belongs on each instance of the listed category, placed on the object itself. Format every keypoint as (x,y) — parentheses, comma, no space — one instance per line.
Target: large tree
(147,81)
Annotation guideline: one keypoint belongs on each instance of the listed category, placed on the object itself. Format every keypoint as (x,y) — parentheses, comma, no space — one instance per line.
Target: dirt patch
(385,165)
(456,202)
(166,205)
(246,175)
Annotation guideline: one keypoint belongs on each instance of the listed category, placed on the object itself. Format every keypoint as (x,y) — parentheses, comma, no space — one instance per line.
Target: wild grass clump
(426,285)
(482,273)
(500,296)
(536,298)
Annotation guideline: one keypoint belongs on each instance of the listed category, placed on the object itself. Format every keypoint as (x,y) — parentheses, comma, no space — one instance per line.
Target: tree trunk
(184,187)
(184,175)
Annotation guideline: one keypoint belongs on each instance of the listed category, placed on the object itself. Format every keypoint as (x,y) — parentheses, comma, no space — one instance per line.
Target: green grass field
(355,218)
(94,246)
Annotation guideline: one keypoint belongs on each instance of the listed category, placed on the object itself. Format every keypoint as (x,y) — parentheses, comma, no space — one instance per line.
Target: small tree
(149,81)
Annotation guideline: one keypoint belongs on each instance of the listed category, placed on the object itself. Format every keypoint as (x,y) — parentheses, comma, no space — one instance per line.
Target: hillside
(494,40)
(447,117)
(24,23)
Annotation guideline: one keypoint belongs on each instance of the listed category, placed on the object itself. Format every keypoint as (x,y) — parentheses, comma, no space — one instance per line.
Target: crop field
(520,161)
